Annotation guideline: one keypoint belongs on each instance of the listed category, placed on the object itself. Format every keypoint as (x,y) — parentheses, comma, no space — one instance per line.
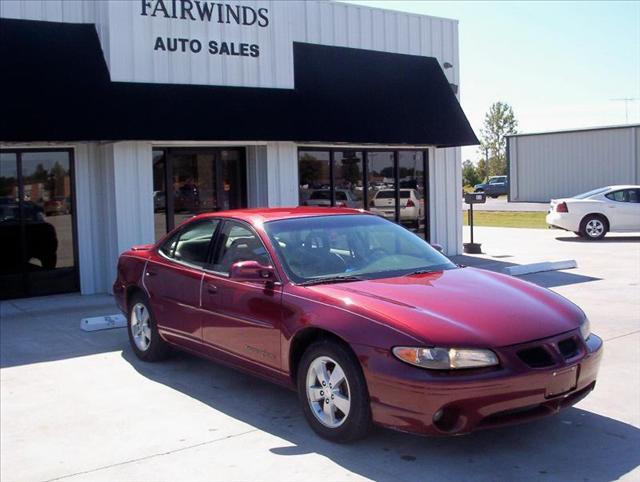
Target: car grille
(568,347)
(540,356)
(536,357)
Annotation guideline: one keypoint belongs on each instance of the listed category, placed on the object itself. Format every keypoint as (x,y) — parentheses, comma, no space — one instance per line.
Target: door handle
(150,273)
(213,289)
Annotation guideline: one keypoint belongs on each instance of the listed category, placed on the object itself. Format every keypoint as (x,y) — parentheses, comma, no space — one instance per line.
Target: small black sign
(475,198)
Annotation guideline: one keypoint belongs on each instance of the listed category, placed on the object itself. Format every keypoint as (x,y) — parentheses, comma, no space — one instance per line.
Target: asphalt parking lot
(80,406)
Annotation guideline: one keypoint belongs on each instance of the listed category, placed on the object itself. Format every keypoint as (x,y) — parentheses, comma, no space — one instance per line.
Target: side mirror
(251,271)
(437,247)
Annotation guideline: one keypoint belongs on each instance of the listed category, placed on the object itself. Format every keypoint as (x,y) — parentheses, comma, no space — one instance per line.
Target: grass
(507,219)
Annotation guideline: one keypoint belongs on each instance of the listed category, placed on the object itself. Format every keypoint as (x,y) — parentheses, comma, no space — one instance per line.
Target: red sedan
(366,320)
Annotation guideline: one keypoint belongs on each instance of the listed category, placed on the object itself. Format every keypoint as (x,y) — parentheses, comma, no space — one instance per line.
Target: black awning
(55,86)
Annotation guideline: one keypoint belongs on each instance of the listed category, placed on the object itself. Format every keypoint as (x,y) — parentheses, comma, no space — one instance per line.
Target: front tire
(143,331)
(333,392)
(593,227)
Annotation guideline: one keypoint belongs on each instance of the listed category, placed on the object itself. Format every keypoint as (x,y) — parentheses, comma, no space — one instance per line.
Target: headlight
(446,358)
(585,329)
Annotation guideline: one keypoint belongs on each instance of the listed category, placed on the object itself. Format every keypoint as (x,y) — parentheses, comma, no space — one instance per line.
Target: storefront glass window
(188,182)
(37,223)
(348,174)
(369,179)
(411,178)
(314,178)
(159,193)
(382,184)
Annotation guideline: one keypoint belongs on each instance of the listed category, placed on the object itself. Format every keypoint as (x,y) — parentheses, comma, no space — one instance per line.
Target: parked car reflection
(322,197)
(57,205)
(384,202)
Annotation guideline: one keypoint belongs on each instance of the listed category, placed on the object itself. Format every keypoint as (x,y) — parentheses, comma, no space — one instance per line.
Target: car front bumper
(452,403)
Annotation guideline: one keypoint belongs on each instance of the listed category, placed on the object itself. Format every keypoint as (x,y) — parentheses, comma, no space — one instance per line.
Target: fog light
(447,419)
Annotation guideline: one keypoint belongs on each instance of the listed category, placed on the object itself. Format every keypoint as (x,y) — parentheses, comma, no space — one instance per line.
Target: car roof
(623,186)
(263,215)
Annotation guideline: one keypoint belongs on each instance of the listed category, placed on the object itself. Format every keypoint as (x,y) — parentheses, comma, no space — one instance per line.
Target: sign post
(471,199)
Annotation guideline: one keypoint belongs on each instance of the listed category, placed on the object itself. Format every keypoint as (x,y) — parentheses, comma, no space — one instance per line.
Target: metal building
(123,118)
(551,165)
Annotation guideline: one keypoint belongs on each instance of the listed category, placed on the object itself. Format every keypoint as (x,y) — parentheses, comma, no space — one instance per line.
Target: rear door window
(191,245)
(619,196)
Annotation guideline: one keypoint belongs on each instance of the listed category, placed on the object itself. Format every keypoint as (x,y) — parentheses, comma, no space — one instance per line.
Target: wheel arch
(130,292)
(598,215)
(305,338)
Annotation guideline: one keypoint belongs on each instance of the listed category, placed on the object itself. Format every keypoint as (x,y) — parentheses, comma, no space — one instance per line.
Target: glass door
(37,225)
(190,181)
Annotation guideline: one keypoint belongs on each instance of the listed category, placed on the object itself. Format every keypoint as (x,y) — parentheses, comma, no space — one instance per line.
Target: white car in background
(384,201)
(593,214)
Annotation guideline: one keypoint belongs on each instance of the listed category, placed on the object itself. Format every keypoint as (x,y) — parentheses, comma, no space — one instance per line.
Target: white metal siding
(556,165)
(320,22)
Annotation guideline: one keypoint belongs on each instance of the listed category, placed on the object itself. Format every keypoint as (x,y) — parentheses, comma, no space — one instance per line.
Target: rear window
(587,194)
(392,195)
(321,195)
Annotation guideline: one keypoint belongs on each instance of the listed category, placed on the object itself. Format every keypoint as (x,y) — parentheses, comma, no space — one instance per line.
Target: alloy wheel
(328,392)
(140,327)
(594,228)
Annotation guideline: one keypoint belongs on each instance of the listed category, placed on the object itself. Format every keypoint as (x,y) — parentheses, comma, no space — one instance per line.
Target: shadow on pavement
(606,239)
(574,445)
(47,329)
(547,279)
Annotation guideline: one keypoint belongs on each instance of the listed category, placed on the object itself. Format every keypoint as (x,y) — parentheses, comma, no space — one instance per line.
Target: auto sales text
(174,44)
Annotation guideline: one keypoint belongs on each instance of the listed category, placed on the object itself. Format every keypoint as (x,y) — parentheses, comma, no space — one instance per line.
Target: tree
(470,176)
(499,122)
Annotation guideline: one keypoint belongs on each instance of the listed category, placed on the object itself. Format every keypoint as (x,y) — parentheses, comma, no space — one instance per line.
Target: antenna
(626,101)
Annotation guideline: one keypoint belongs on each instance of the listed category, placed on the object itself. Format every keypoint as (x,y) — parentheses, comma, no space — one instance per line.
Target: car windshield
(359,246)
(587,194)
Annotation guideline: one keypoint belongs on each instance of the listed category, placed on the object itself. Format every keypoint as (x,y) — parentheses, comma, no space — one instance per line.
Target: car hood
(458,307)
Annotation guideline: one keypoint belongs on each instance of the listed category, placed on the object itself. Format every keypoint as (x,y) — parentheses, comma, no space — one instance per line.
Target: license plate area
(562,381)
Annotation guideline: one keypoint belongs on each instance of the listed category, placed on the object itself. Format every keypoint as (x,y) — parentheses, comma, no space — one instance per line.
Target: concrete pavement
(80,406)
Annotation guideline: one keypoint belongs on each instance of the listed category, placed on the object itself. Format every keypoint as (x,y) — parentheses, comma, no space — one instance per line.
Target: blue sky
(558,64)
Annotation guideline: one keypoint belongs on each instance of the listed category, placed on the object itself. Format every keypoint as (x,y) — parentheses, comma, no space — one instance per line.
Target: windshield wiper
(330,279)
(419,271)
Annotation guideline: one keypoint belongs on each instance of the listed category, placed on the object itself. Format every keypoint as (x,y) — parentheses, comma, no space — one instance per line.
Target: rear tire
(333,392)
(593,227)
(143,331)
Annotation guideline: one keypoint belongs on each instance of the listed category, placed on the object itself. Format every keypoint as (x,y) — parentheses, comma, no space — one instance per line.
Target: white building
(123,118)
(551,165)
